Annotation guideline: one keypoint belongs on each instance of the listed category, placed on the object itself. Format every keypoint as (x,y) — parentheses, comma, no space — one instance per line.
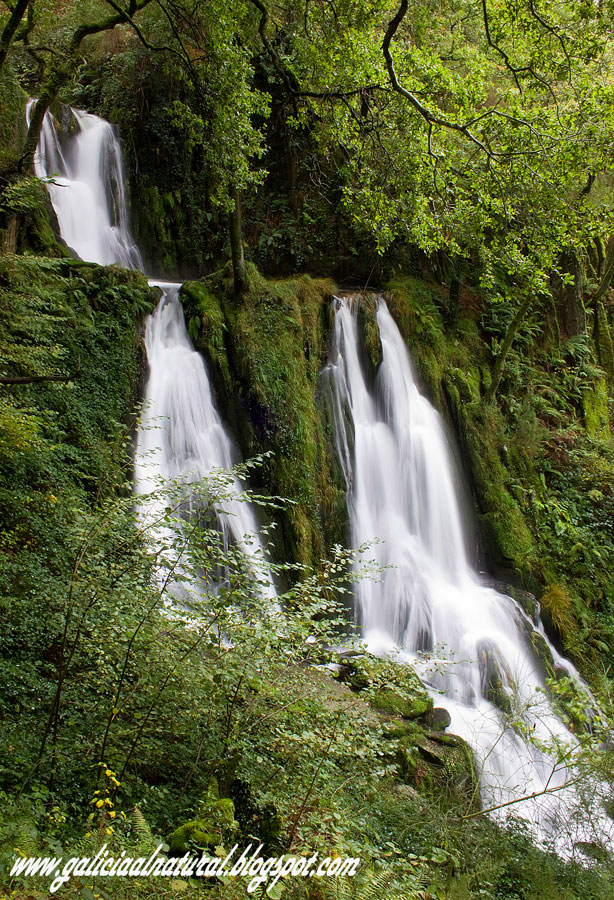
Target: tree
(17,13)
(482,130)
(478,129)
(64,62)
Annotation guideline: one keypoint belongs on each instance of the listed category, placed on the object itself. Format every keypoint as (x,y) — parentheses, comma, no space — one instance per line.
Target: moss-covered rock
(369,329)
(438,719)
(275,344)
(392,689)
(394,703)
(206,324)
(495,676)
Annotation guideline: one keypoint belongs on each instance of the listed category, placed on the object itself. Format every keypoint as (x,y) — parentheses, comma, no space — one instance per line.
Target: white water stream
(181,436)
(469,642)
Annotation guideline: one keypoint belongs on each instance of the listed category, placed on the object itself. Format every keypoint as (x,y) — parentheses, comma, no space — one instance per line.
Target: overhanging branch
(426,113)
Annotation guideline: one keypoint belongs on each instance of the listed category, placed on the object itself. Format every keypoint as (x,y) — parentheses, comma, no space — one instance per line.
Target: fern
(379,887)
(142,831)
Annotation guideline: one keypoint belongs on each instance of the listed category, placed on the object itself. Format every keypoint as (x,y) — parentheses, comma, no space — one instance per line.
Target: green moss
(392,703)
(12,119)
(207,327)
(398,728)
(596,411)
(25,209)
(391,689)
(605,346)
(467,383)
(275,343)
(416,307)
(367,323)
(408,760)
(508,540)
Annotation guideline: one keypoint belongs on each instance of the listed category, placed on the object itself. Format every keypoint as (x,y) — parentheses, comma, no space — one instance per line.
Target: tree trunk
(9,236)
(569,299)
(10,28)
(236,246)
(505,348)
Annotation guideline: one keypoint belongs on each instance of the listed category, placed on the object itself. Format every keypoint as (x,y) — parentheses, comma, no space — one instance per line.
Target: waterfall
(469,643)
(181,436)
(87,189)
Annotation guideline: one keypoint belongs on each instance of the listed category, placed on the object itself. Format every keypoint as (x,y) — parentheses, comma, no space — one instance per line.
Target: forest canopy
(470,127)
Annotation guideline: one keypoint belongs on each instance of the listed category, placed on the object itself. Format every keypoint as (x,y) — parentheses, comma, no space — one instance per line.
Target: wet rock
(495,676)
(438,719)
(526,599)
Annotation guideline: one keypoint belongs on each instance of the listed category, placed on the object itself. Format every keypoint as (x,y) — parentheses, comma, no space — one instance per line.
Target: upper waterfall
(87,189)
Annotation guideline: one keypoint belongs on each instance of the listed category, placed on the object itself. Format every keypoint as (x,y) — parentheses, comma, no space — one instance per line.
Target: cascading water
(88,188)
(468,642)
(181,437)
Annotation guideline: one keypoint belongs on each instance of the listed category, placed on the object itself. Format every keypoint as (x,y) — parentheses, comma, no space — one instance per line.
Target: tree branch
(426,114)
(39,379)
(17,14)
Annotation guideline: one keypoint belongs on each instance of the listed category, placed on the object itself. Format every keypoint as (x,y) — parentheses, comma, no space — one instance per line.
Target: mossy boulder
(394,703)
(439,766)
(438,718)
(214,823)
(392,689)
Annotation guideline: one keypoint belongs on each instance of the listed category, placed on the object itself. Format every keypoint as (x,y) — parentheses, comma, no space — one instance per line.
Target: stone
(438,718)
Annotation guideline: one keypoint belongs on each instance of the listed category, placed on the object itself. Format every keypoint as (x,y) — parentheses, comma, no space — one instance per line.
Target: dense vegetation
(456,156)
